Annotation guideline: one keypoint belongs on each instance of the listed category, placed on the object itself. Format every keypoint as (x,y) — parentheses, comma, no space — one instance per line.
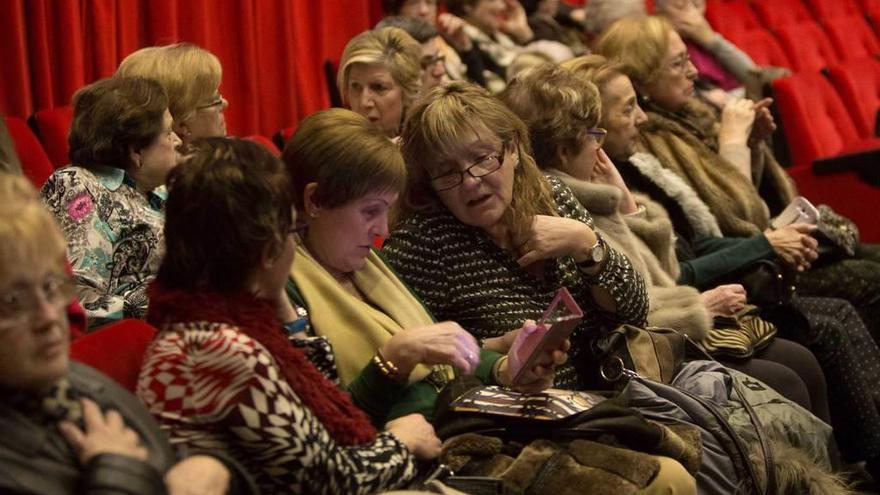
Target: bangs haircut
(558,107)
(640,44)
(29,234)
(346,155)
(440,128)
(227,202)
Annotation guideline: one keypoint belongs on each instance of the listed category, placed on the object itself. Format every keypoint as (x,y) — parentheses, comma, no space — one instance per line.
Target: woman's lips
(479,201)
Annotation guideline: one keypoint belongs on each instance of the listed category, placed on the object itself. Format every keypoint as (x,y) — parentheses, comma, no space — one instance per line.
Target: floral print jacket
(114,238)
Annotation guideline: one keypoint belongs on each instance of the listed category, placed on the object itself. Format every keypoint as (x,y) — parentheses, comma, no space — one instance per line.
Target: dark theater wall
(272,50)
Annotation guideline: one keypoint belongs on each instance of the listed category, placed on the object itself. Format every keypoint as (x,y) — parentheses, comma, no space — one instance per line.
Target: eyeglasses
(680,63)
(431,60)
(598,134)
(481,168)
(218,100)
(20,304)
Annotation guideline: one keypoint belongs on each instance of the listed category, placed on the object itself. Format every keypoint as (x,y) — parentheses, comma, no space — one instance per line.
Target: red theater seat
(53,126)
(762,46)
(807,47)
(731,15)
(827,9)
(266,142)
(816,122)
(852,37)
(858,83)
(34,163)
(117,350)
(778,13)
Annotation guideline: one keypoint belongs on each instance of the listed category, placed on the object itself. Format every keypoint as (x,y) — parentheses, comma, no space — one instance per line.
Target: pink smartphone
(554,327)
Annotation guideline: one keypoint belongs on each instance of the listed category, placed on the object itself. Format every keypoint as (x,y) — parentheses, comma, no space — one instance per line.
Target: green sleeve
(718,257)
(375,393)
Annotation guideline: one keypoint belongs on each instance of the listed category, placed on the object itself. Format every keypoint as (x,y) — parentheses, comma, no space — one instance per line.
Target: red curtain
(272,51)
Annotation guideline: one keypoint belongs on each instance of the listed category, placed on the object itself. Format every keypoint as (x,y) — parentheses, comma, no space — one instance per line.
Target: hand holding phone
(800,210)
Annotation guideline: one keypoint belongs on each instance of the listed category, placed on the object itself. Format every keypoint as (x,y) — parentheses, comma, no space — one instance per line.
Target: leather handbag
(655,353)
(767,282)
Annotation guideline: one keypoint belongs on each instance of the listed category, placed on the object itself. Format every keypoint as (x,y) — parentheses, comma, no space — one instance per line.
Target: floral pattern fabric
(114,238)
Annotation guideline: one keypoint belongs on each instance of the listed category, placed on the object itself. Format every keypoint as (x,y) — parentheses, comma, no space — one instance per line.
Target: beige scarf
(356,328)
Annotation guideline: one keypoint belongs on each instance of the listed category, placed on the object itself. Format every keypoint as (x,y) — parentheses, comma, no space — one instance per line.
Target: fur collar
(701,219)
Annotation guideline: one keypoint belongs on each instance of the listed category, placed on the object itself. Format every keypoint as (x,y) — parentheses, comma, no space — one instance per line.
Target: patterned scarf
(256,318)
(60,403)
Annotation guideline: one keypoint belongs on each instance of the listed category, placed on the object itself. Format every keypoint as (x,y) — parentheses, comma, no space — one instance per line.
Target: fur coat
(686,142)
(647,240)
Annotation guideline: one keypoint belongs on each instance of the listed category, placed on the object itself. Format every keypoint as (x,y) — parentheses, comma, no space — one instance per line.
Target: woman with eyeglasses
(110,200)
(191,77)
(380,75)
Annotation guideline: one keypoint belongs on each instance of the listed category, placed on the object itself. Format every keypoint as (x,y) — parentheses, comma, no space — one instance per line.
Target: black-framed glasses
(18,305)
(431,60)
(598,134)
(481,168)
(218,100)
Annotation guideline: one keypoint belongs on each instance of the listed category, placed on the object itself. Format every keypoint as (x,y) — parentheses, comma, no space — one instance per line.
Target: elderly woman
(390,352)
(223,370)
(380,76)
(191,77)
(109,201)
(832,329)
(562,112)
(65,427)
(728,165)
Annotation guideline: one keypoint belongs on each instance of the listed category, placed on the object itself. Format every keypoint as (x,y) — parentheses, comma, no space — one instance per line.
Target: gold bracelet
(496,369)
(388,368)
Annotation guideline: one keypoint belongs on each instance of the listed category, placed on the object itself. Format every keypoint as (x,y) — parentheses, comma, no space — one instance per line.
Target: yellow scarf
(356,328)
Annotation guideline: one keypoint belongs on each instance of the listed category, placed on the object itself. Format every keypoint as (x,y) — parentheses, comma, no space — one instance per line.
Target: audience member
(380,76)
(546,19)
(191,78)
(109,201)
(222,371)
(8,158)
(433,63)
(67,428)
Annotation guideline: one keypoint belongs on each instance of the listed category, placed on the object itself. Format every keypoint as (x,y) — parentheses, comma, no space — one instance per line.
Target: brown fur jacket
(647,240)
(686,143)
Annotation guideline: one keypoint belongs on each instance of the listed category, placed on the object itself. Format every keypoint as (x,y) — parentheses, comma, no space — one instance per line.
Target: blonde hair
(347,156)
(557,106)
(640,44)
(28,232)
(391,48)
(190,75)
(436,132)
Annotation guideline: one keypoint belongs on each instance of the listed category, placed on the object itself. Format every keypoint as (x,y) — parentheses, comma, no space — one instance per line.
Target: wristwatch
(596,254)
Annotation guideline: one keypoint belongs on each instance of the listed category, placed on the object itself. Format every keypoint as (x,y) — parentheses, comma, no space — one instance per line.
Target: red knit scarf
(257,319)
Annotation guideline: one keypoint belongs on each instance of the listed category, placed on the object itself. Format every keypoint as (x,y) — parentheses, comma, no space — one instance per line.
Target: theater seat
(858,83)
(117,350)
(52,127)
(817,124)
(266,142)
(762,46)
(807,46)
(778,13)
(34,163)
(828,9)
(852,37)
(727,16)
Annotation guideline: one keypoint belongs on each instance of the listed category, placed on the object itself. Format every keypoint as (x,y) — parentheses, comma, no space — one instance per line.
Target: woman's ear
(311,207)
(135,157)
(563,157)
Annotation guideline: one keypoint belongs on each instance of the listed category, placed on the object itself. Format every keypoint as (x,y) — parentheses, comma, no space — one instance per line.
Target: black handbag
(767,283)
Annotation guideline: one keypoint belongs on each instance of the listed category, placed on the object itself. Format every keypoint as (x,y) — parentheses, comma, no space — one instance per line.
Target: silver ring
(470,357)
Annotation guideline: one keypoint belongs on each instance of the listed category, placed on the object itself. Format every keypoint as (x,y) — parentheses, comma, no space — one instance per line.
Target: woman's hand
(551,237)
(417,434)
(604,172)
(452,29)
(198,475)
(737,120)
(724,300)
(764,125)
(440,343)
(104,434)
(517,22)
(794,244)
(689,22)
(540,376)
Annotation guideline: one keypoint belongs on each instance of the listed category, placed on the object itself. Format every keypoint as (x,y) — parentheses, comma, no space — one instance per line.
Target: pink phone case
(554,327)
